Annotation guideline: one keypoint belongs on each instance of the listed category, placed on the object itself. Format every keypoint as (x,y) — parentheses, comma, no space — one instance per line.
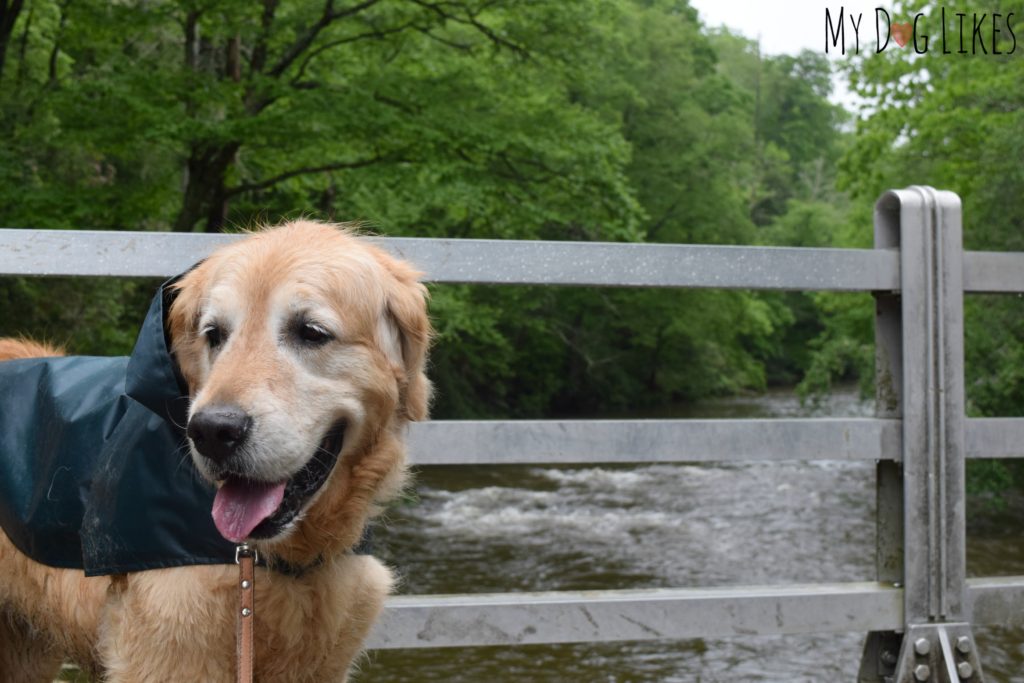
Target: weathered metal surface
(996,272)
(879,656)
(152,254)
(599,616)
(933,401)
(103,253)
(888,405)
(537,442)
(881,648)
(939,653)
(592,616)
(162,254)
(997,600)
(922,382)
(650,265)
(995,437)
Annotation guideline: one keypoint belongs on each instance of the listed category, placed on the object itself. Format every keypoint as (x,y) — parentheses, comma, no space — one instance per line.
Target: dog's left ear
(407,311)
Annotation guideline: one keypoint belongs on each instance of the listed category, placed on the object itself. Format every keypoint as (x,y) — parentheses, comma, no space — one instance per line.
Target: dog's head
(303,348)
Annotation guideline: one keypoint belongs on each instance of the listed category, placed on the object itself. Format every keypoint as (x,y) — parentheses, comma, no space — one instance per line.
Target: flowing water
(496,529)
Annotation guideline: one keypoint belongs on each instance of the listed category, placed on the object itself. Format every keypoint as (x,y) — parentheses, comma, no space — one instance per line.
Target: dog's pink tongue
(240,506)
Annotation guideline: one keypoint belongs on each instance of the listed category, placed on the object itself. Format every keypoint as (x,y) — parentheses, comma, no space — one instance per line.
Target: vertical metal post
(888,404)
(927,226)
(931,266)
(881,649)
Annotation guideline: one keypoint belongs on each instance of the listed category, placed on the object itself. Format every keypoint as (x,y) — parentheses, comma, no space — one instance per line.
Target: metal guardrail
(920,437)
(566,442)
(127,254)
(668,613)
(163,254)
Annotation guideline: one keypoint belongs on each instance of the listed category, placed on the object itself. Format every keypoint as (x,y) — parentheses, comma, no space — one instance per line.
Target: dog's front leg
(312,628)
(170,625)
(25,656)
(360,586)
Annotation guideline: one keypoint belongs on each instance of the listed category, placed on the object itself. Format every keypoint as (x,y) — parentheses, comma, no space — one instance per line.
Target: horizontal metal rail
(162,254)
(539,442)
(566,442)
(997,600)
(576,616)
(667,613)
(996,272)
(994,437)
(664,613)
(649,265)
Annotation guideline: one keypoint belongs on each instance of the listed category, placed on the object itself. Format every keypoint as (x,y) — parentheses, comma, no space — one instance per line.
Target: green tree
(952,121)
(613,120)
(167,114)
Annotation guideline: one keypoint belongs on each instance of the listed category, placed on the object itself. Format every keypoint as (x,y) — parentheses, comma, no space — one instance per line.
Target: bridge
(917,612)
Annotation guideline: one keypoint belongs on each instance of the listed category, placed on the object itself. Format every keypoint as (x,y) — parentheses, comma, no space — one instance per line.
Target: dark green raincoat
(95,473)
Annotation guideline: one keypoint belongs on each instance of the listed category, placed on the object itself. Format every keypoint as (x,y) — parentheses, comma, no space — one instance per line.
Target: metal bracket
(938,653)
(929,653)
(880,656)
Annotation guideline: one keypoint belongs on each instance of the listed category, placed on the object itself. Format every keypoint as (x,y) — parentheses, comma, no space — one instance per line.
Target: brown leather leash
(245,558)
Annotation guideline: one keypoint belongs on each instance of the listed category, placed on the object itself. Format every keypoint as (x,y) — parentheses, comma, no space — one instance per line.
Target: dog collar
(287,568)
(364,547)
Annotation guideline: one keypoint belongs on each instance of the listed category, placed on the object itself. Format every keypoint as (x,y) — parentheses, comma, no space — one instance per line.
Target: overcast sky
(789,27)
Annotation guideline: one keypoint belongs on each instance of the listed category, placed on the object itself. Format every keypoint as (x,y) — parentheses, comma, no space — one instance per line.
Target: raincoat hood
(95,472)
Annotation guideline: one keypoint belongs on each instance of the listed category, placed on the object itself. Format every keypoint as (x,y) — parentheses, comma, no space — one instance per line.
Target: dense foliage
(613,120)
(951,117)
(623,120)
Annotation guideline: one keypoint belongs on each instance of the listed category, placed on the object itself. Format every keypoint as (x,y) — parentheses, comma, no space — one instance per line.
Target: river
(495,529)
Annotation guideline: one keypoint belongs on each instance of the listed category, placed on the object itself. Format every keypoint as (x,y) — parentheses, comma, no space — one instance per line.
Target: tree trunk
(9,11)
(205,191)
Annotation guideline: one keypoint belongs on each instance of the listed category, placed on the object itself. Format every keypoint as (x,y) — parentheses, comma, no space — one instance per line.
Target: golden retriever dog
(295,341)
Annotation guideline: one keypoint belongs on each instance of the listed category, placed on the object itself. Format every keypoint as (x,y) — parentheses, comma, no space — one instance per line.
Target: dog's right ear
(407,312)
(183,322)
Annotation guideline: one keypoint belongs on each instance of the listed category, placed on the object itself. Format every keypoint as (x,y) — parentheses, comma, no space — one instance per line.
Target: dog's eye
(312,334)
(214,336)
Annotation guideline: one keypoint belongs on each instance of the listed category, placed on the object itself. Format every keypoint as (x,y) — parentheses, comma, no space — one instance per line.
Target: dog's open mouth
(245,508)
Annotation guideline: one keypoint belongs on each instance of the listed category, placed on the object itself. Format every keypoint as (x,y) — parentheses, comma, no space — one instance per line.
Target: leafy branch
(310,170)
(302,43)
(471,20)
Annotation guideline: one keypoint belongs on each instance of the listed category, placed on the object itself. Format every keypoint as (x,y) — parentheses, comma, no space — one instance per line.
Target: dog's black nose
(217,432)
